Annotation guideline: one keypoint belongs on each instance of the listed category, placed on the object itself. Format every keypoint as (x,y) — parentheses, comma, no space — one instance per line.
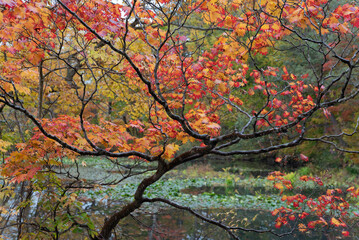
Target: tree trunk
(41,91)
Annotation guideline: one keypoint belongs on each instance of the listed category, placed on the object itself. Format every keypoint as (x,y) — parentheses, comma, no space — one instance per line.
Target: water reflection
(176,224)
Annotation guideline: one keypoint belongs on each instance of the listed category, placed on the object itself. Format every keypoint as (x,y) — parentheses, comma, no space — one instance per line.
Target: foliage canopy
(168,82)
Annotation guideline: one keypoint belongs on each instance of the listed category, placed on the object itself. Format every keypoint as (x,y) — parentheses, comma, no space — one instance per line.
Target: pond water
(240,203)
(176,225)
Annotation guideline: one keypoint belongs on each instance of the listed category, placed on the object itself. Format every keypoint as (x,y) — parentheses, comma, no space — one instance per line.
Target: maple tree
(158,81)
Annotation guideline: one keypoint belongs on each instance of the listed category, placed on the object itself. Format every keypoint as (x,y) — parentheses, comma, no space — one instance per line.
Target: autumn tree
(158,82)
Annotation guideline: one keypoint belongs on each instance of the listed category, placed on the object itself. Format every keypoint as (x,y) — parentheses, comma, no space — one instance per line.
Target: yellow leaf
(302,227)
(222,87)
(240,29)
(228,22)
(210,84)
(265,27)
(4,145)
(22,89)
(335,222)
(171,149)
(276,26)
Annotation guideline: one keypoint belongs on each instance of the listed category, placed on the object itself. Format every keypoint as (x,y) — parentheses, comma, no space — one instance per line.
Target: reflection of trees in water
(169,224)
(14,219)
(178,225)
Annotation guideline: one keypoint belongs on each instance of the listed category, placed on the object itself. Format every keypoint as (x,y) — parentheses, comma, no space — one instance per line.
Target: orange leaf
(250,92)
(278,186)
